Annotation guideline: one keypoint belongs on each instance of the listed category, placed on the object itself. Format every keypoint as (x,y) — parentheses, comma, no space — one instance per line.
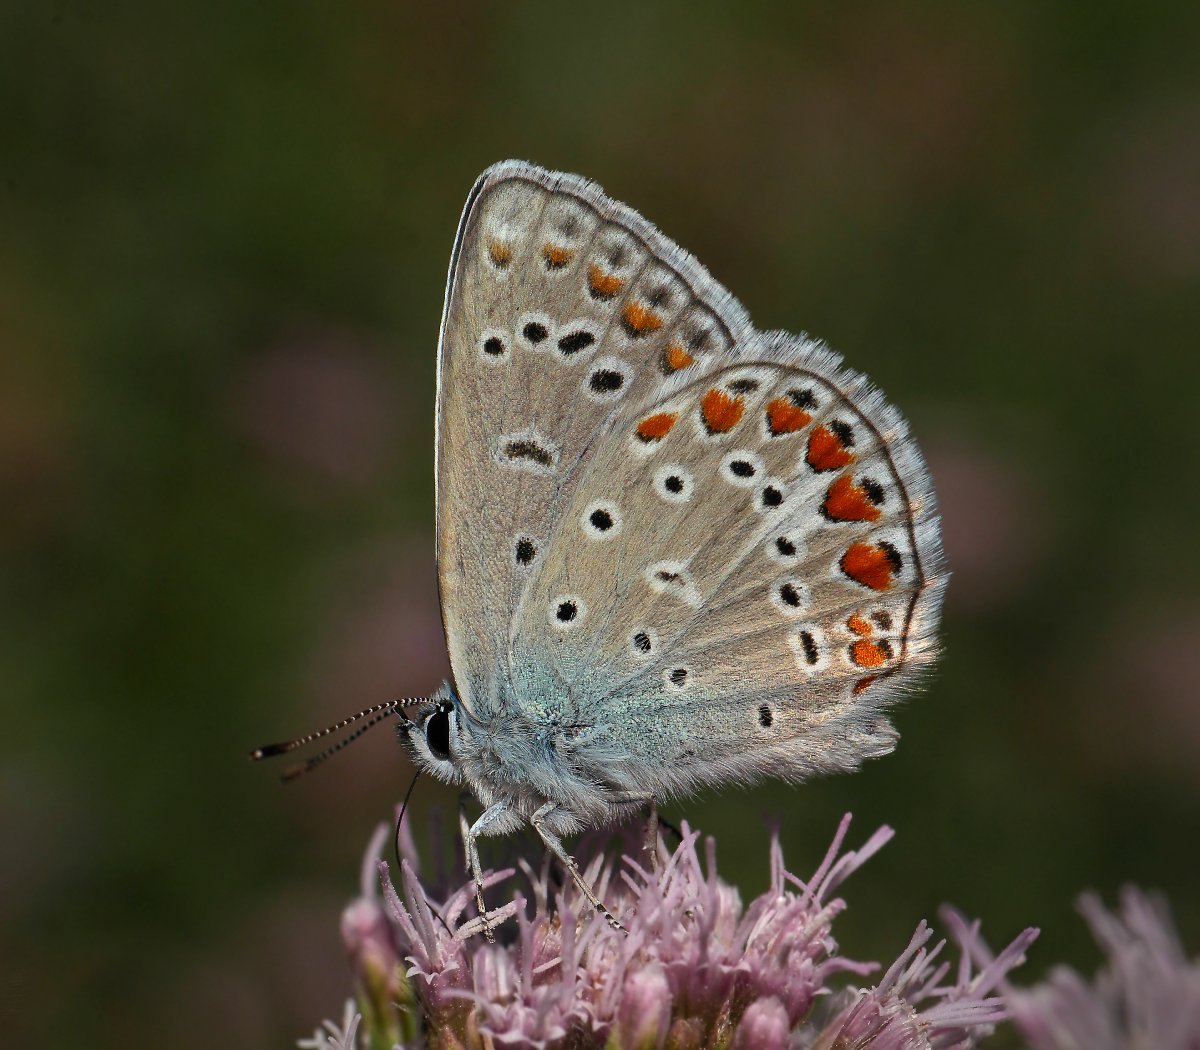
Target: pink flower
(1148,995)
(696,969)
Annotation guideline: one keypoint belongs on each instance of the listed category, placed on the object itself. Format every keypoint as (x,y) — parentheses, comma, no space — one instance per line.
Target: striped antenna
(376,714)
(292,772)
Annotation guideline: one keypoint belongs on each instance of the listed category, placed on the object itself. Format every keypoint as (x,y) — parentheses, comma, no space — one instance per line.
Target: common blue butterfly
(673,551)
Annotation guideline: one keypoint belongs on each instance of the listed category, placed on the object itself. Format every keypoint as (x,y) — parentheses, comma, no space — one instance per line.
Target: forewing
(771,581)
(562,308)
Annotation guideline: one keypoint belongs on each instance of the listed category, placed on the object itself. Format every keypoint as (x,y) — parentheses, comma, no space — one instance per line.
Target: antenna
(292,772)
(284,746)
(374,716)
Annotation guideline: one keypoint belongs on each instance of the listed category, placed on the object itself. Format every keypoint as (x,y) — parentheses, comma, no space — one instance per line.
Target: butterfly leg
(554,844)
(650,840)
(470,833)
(650,837)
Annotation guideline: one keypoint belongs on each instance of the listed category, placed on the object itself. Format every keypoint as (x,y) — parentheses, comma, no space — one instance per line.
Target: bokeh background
(224,229)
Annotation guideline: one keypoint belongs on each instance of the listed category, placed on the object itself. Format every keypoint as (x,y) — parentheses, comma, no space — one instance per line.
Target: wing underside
(690,538)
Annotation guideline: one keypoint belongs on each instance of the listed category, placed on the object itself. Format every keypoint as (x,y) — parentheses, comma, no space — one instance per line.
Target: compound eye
(437,734)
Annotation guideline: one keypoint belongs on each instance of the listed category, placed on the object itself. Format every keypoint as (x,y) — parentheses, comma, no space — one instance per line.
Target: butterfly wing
(562,308)
(771,583)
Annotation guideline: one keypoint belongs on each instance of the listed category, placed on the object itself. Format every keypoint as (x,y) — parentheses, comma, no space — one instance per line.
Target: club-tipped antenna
(292,772)
(382,710)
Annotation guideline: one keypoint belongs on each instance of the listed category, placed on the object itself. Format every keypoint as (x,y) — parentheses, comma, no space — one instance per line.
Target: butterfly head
(434,736)
(524,762)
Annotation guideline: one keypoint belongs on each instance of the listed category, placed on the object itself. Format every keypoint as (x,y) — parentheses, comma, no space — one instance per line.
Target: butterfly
(674,552)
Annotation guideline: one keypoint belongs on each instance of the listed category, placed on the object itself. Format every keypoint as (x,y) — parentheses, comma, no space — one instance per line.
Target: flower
(331,1036)
(1148,995)
(696,968)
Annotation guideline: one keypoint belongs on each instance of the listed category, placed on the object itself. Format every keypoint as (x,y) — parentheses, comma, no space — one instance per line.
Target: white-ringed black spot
(771,496)
(535,332)
(567,612)
(883,620)
(790,597)
(803,399)
(741,467)
(644,642)
(526,448)
(493,346)
(606,381)
(786,548)
(744,386)
(526,550)
(807,648)
(811,653)
(573,342)
(674,579)
(677,677)
(660,297)
(674,484)
(765,717)
(601,520)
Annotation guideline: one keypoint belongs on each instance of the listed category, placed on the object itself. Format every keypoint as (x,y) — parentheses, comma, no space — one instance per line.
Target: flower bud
(764,1026)
(645,1010)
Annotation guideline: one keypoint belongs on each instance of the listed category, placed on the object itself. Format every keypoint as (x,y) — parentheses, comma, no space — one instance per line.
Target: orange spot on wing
(556,255)
(846,501)
(603,285)
(657,426)
(869,565)
(500,253)
(869,654)
(677,357)
(826,450)
(641,320)
(784,417)
(859,624)
(721,412)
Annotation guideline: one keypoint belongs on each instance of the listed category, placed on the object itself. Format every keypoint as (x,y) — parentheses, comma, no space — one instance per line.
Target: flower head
(1148,995)
(696,969)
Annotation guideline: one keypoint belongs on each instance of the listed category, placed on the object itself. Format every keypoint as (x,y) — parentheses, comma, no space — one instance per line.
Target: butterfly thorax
(525,761)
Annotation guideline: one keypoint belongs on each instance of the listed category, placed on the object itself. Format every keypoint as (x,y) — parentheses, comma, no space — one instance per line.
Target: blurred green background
(223,237)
